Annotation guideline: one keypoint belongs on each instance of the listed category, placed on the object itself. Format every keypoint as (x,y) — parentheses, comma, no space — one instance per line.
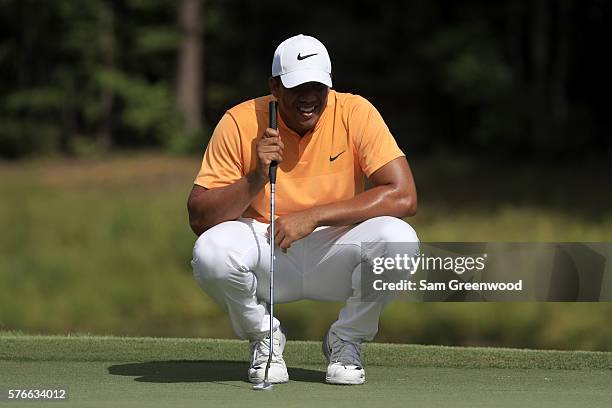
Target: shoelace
(262,350)
(346,352)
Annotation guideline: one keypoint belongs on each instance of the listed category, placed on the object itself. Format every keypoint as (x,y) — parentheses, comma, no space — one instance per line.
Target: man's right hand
(269,148)
(208,208)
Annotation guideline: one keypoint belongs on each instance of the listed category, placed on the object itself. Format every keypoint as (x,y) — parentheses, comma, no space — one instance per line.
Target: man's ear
(275,84)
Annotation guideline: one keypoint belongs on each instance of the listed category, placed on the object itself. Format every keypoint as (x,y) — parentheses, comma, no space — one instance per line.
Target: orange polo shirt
(326,165)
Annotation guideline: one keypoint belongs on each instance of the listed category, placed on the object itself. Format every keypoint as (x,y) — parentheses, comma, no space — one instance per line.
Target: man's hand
(289,228)
(269,148)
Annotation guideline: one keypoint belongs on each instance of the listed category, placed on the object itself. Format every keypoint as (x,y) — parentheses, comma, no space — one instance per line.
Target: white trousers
(231,263)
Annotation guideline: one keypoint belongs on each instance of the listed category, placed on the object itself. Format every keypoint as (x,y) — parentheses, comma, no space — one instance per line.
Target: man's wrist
(256,180)
(316,216)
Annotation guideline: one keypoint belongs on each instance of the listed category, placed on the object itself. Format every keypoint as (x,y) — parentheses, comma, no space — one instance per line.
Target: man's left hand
(291,227)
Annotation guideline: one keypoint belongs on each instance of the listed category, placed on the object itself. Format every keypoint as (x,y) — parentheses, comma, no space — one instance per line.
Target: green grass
(21,347)
(103,246)
(121,371)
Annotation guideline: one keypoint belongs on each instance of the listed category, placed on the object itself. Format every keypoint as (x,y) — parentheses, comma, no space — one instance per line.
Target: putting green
(153,372)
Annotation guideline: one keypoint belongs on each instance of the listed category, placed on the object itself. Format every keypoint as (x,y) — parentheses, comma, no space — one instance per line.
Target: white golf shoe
(344,358)
(260,350)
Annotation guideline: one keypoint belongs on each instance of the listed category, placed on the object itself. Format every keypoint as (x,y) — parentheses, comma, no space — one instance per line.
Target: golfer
(327,142)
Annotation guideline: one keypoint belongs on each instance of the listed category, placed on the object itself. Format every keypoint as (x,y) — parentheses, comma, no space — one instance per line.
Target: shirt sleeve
(222,164)
(373,141)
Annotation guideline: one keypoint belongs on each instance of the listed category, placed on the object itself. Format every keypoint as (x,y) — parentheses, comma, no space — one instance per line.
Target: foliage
(473,75)
(109,68)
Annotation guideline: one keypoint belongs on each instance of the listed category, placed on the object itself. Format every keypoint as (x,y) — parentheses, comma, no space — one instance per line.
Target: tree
(189,77)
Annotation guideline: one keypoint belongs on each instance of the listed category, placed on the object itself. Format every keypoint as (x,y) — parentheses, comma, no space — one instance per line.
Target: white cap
(302,59)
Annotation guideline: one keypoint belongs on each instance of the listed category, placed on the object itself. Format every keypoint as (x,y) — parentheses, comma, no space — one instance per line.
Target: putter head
(263,386)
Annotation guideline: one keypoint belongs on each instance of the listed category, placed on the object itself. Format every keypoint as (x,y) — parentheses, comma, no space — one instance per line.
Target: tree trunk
(189,79)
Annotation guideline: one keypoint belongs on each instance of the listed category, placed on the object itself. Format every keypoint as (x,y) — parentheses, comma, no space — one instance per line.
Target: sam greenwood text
(424,285)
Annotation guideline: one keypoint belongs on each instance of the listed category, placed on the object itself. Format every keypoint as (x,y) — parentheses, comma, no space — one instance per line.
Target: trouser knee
(391,229)
(215,256)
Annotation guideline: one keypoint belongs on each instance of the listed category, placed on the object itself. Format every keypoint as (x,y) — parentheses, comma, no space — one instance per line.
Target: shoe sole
(259,381)
(255,379)
(333,381)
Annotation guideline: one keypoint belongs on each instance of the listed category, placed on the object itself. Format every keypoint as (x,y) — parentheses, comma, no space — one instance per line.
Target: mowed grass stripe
(18,347)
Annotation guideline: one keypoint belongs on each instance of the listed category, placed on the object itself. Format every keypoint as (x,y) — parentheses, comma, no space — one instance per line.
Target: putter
(266,385)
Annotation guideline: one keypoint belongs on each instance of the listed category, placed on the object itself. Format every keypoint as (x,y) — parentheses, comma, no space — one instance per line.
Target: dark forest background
(106,107)
(515,78)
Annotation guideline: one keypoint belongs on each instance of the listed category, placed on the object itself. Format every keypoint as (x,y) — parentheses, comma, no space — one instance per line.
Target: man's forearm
(394,194)
(376,202)
(208,208)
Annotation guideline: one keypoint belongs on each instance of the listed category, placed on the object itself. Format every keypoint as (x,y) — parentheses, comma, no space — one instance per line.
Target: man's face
(301,106)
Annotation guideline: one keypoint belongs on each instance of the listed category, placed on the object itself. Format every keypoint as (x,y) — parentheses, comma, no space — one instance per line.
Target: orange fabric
(349,128)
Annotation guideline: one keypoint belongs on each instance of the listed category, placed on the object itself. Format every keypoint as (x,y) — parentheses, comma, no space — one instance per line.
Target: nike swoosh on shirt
(300,57)
(331,159)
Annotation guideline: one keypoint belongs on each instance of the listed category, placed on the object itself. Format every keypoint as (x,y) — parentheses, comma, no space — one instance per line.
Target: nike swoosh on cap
(331,159)
(300,57)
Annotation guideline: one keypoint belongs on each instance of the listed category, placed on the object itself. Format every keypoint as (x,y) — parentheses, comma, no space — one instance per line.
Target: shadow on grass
(200,371)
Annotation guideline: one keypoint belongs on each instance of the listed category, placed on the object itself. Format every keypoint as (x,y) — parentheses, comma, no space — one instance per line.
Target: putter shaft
(273,167)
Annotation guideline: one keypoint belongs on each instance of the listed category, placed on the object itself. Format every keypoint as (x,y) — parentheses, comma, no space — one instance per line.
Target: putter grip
(273,125)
